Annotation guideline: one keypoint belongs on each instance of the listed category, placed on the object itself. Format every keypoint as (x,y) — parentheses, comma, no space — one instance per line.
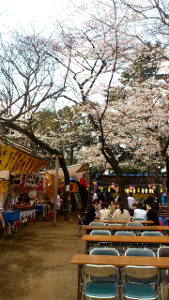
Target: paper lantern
(86,184)
(82,181)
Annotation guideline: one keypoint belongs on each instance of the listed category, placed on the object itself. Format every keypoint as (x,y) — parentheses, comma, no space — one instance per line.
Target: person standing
(2,220)
(130,201)
(95,196)
(103,196)
(118,197)
(58,203)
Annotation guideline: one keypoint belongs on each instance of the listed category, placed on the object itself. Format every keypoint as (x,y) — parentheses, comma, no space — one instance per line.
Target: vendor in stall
(26,198)
(2,220)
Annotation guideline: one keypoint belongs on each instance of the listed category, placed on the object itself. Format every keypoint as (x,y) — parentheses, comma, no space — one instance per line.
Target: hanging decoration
(82,181)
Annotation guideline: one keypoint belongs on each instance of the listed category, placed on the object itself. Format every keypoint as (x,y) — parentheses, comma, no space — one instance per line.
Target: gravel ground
(35,261)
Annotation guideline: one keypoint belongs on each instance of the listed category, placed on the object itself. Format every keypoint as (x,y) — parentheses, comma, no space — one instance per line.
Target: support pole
(56,190)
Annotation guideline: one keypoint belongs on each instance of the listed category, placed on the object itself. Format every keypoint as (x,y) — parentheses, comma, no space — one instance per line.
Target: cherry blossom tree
(29,81)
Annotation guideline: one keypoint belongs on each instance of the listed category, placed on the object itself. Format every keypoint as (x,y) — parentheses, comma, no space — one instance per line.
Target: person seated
(121,213)
(139,212)
(156,202)
(111,207)
(151,214)
(134,206)
(90,213)
(104,212)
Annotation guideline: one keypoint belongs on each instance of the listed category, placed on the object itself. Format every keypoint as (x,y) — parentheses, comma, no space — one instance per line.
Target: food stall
(19,166)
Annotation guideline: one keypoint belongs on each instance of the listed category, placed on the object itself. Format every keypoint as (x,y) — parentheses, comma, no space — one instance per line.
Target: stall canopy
(17,159)
(75,172)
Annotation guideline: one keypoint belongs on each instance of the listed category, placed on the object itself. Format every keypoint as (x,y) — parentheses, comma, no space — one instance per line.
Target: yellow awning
(18,161)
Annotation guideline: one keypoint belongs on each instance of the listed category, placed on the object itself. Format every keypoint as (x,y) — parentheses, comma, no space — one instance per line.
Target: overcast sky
(37,14)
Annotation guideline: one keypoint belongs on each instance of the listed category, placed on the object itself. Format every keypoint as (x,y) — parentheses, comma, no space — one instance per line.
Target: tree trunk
(71,155)
(66,184)
(56,190)
(84,197)
(167,180)
(110,158)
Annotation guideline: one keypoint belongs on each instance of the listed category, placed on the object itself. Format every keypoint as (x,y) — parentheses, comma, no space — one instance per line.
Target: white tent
(75,172)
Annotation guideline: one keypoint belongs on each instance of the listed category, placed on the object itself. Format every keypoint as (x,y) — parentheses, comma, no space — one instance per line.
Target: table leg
(79,283)
(87,247)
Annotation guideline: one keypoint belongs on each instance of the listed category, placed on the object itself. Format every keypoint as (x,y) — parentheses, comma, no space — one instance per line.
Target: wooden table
(130,228)
(125,222)
(119,239)
(117,261)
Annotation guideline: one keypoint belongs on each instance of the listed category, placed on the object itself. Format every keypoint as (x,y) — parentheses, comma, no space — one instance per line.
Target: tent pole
(56,189)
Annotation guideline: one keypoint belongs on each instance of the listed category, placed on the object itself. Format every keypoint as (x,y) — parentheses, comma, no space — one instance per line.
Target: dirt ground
(35,261)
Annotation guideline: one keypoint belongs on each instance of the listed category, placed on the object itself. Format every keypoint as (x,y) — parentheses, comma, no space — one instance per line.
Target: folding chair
(134,224)
(80,224)
(123,248)
(97,224)
(105,251)
(163,251)
(139,219)
(139,291)
(152,233)
(100,232)
(141,252)
(100,289)
(108,219)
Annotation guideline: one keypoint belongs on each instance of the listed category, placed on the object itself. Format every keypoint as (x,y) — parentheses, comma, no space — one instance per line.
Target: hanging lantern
(149,186)
(82,181)
(112,186)
(86,184)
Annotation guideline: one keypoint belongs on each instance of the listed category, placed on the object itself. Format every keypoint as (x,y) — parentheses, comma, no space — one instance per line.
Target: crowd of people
(106,206)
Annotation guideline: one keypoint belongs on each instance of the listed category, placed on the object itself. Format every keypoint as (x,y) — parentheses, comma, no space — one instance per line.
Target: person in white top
(58,204)
(104,212)
(139,212)
(95,196)
(121,213)
(130,201)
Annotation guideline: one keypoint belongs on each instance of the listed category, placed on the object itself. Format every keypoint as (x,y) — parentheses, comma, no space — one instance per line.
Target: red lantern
(86,185)
(82,181)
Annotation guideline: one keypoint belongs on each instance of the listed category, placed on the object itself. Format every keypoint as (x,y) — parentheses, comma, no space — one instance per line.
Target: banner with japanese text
(18,161)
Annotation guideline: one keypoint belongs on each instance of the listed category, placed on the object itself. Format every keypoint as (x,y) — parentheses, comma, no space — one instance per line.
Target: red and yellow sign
(19,162)
(4,186)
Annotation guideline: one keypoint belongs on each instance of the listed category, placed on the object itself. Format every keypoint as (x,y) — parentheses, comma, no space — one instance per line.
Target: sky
(38,14)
